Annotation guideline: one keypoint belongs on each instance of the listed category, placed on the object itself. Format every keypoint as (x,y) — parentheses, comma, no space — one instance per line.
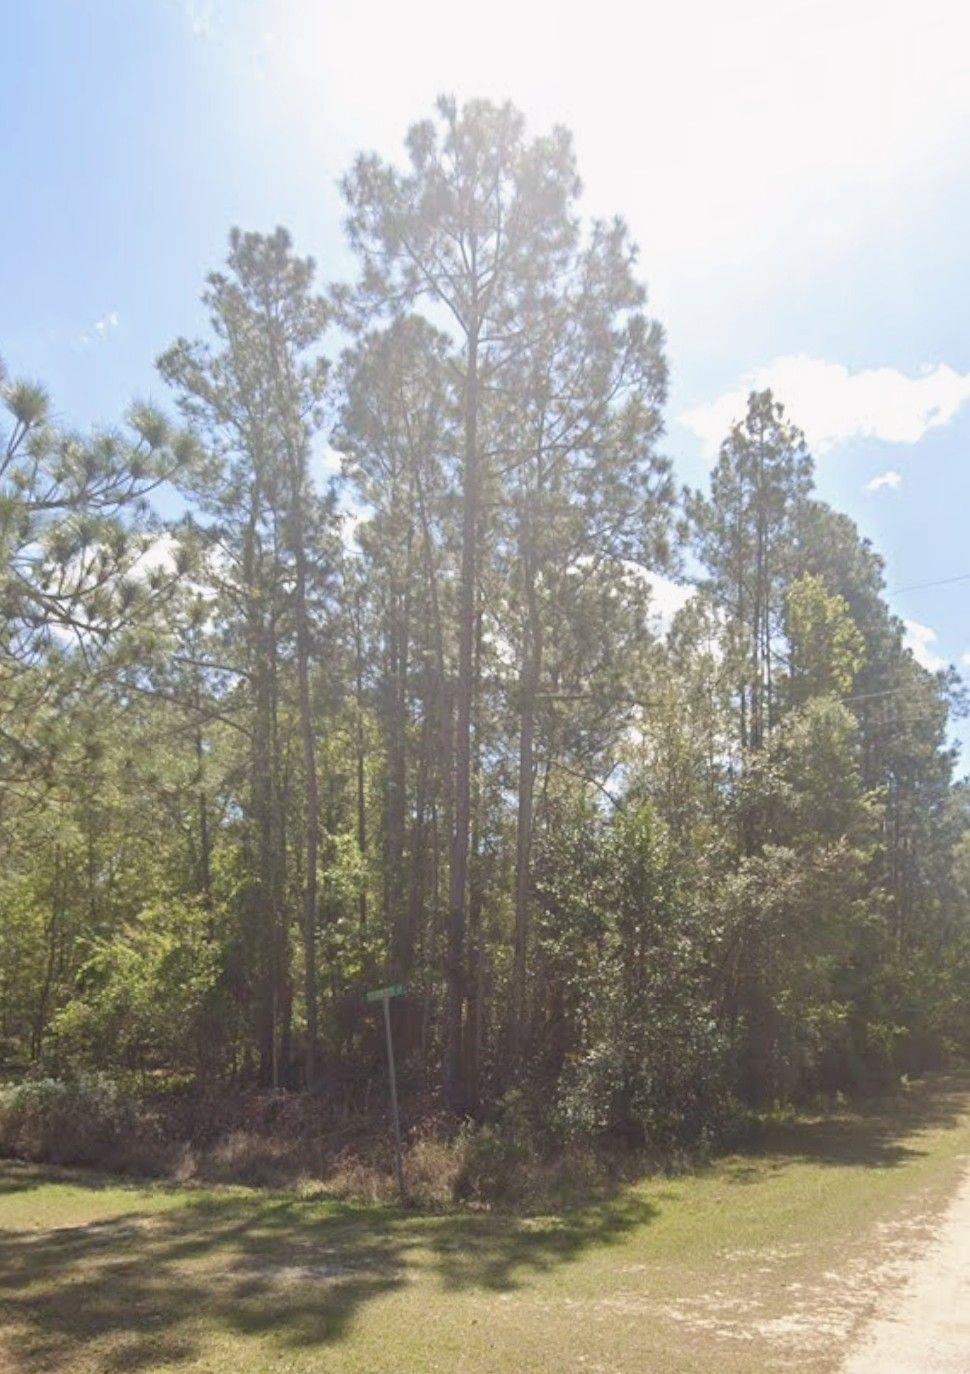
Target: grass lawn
(766,1260)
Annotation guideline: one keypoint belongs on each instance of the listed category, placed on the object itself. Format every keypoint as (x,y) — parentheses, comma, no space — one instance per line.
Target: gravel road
(924,1328)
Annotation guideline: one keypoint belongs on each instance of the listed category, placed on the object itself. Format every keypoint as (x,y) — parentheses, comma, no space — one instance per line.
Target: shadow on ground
(18,1176)
(148,1288)
(162,1285)
(878,1133)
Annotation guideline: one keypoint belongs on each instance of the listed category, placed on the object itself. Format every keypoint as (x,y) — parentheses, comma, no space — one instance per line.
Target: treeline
(418,720)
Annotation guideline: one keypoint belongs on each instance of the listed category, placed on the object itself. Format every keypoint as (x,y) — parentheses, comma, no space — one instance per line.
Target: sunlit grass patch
(762,1260)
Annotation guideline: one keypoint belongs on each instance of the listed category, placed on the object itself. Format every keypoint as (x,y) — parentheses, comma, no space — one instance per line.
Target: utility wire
(922,586)
(886,692)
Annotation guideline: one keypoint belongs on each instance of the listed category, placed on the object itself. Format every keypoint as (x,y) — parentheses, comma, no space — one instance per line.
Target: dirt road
(924,1328)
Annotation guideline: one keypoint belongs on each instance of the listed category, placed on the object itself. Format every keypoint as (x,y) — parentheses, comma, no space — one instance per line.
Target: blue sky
(797,175)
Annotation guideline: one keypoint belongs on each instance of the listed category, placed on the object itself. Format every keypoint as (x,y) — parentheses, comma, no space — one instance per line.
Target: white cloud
(667,598)
(782,121)
(100,329)
(326,465)
(890,479)
(832,404)
(201,16)
(920,638)
(160,556)
(351,518)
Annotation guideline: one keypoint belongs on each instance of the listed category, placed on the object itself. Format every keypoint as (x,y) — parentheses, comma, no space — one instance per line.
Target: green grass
(766,1260)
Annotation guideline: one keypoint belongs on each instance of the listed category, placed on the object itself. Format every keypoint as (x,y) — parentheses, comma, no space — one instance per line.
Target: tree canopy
(417,720)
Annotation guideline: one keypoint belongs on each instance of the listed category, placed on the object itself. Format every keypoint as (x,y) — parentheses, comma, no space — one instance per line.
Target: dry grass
(295,1142)
(767,1260)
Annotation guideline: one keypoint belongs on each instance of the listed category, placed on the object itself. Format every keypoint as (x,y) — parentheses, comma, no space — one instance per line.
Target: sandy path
(924,1328)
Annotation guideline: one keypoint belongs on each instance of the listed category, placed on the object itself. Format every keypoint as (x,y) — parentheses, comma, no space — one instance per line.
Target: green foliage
(257,760)
(83,1120)
(826,647)
(647,1060)
(145,997)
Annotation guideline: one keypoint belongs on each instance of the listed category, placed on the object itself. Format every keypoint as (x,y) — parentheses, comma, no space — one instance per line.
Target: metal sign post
(384,995)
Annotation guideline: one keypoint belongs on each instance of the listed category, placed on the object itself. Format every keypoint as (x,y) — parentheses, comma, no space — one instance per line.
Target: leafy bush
(144,997)
(648,1064)
(88,1120)
(640,1086)
(489,1162)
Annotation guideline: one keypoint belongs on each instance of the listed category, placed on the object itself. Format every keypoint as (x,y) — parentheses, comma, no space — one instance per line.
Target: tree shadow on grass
(21,1176)
(171,1282)
(16,1184)
(501,1253)
(149,1288)
(145,1289)
(876,1133)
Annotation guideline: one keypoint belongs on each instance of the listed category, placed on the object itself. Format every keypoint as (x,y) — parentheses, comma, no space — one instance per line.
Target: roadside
(774,1259)
(924,1327)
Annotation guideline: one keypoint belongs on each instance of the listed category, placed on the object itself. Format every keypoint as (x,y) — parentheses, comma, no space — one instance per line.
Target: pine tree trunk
(476,902)
(458,882)
(312,807)
(396,903)
(361,758)
(528,689)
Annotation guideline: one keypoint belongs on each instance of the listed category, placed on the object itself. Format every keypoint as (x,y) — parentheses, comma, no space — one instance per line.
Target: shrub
(88,1120)
(432,1169)
(145,999)
(489,1164)
(646,1064)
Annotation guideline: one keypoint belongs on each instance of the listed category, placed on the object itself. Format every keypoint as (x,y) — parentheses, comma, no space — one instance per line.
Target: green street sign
(379,994)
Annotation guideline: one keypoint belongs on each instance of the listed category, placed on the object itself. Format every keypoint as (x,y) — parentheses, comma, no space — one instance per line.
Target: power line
(885,692)
(922,586)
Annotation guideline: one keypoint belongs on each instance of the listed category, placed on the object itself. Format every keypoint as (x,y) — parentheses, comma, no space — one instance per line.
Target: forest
(344,666)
